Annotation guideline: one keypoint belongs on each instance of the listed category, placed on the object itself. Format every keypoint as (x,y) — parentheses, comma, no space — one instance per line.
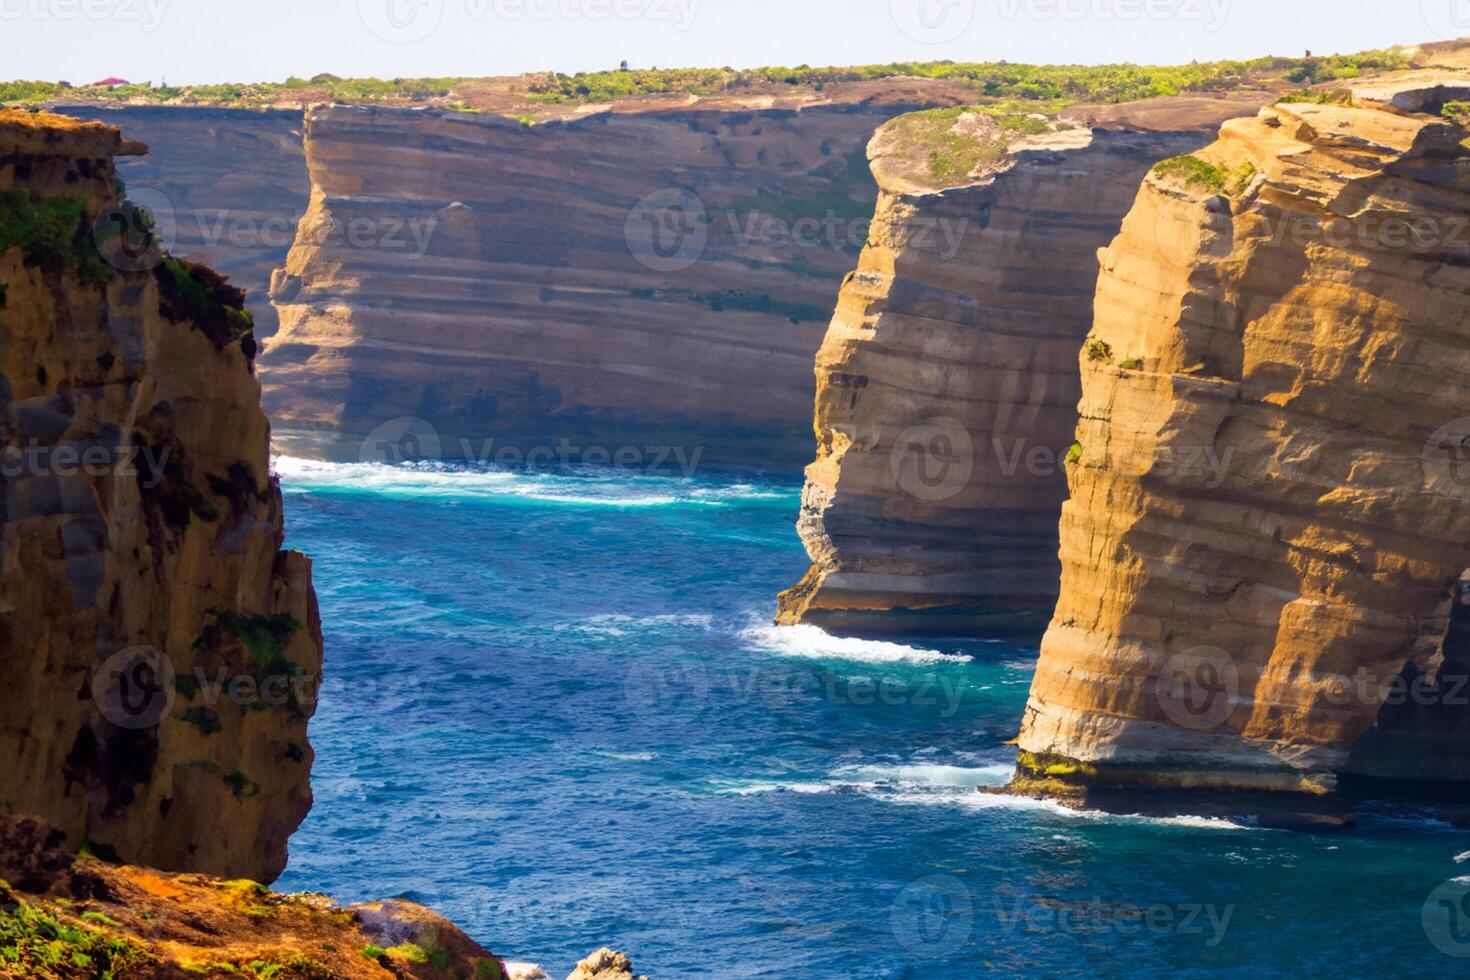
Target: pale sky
(195,41)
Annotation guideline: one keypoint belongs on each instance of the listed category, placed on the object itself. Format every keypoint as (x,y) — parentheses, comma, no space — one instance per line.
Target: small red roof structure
(111,83)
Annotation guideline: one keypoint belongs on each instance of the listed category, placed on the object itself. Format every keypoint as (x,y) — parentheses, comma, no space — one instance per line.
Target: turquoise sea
(555,710)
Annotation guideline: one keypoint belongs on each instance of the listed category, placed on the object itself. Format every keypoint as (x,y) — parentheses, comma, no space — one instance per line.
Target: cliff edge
(947,382)
(1268,515)
(162,650)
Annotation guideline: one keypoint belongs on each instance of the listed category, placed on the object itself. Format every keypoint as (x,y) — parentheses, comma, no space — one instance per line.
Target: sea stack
(947,385)
(1269,512)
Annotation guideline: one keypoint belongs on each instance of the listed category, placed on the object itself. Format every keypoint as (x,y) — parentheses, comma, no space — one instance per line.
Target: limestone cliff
(161,650)
(1269,507)
(225,186)
(624,279)
(947,384)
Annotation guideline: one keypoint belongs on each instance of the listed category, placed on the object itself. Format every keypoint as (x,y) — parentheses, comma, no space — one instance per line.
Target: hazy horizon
(186,42)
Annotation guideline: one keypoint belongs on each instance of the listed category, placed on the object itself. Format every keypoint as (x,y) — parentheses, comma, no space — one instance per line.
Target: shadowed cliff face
(644,280)
(162,651)
(1270,510)
(947,383)
(225,188)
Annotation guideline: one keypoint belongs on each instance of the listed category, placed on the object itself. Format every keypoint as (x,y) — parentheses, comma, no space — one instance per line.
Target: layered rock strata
(643,280)
(162,650)
(226,188)
(947,383)
(1269,507)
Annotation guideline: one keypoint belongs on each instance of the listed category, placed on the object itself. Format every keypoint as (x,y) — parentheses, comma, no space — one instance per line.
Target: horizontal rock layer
(140,540)
(644,280)
(947,383)
(225,187)
(1268,515)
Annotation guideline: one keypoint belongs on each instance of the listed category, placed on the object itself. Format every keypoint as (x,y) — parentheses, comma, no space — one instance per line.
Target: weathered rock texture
(137,513)
(226,187)
(947,384)
(521,314)
(605,964)
(1271,506)
(132,922)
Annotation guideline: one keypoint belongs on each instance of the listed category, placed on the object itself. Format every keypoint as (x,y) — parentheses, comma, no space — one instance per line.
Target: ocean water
(555,711)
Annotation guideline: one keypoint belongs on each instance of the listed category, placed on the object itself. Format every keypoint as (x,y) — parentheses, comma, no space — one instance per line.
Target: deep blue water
(554,711)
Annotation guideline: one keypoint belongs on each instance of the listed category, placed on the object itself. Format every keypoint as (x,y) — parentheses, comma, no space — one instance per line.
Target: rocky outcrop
(162,651)
(225,187)
(650,279)
(605,964)
(1268,511)
(947,384)
(64,916)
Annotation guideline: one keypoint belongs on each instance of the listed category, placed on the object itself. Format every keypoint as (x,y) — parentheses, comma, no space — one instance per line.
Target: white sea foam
(628,756)
(621,624)
(1462,857)
(437,481)
(815,643)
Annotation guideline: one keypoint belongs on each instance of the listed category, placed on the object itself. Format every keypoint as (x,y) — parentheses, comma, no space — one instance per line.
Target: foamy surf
(814,643)
(445,482)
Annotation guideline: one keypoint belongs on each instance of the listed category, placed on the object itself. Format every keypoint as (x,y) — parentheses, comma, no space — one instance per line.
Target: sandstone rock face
(605,964)
(225,186)
(1268,515)
(947,384)
(625,279)
(162,651)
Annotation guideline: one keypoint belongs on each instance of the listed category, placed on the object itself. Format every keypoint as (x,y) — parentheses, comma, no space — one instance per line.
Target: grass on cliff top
(1195,172)
(950,155)
(1065,84)
(34,943)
